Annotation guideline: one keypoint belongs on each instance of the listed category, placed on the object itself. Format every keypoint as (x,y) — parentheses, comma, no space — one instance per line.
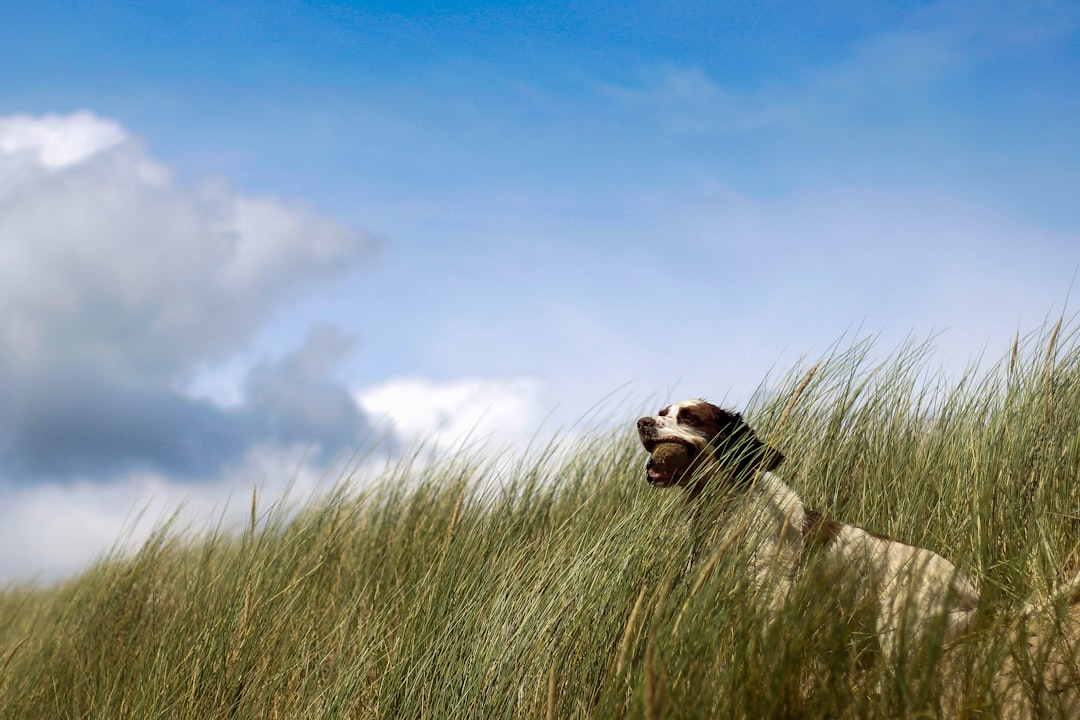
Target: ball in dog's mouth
(668,461)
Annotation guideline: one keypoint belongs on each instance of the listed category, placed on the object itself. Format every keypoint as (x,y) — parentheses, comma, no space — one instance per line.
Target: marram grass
(561,585)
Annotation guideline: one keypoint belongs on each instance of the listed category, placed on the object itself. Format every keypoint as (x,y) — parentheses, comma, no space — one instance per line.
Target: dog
(913,586)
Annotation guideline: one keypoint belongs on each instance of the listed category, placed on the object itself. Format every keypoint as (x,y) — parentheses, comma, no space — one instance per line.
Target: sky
(242,241)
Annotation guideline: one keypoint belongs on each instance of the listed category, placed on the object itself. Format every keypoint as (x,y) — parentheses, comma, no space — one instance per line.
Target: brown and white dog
(912,585)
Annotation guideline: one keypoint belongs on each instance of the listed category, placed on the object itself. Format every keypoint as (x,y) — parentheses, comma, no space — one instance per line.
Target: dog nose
(645,422)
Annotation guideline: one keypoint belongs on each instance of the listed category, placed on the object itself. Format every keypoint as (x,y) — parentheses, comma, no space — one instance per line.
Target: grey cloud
(73,424)
(297,400)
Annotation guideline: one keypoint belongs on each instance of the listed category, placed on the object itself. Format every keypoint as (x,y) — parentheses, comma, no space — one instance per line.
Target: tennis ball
(670,457)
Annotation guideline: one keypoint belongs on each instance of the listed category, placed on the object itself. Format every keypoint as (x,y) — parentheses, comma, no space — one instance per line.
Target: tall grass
(561,585)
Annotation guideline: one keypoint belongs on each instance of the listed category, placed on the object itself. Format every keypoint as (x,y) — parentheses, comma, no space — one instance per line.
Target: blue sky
(239,238)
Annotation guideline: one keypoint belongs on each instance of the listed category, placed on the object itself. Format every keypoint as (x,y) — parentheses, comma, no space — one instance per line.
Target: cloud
(52,529)
(297,399)
(471,411)
(57,141)
(78,424)
(118,286)
(108,262)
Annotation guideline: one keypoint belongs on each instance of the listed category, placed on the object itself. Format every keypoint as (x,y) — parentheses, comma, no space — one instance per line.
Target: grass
(558,585)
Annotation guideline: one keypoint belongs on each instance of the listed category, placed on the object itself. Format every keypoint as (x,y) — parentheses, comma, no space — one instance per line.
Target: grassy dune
(559,585)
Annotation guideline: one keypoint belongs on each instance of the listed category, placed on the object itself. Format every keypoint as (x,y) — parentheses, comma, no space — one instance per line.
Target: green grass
(558,585)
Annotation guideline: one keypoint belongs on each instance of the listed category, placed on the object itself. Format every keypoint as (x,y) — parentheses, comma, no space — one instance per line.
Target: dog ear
(771,458)
(755,454)
(736,443)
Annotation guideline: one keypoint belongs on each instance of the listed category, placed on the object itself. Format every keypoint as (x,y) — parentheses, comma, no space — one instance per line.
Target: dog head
(712,436)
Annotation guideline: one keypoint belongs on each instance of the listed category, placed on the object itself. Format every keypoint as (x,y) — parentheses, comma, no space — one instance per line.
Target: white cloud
(58,141)
(49,531)
(119,286)
(465,412)
(102,261)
